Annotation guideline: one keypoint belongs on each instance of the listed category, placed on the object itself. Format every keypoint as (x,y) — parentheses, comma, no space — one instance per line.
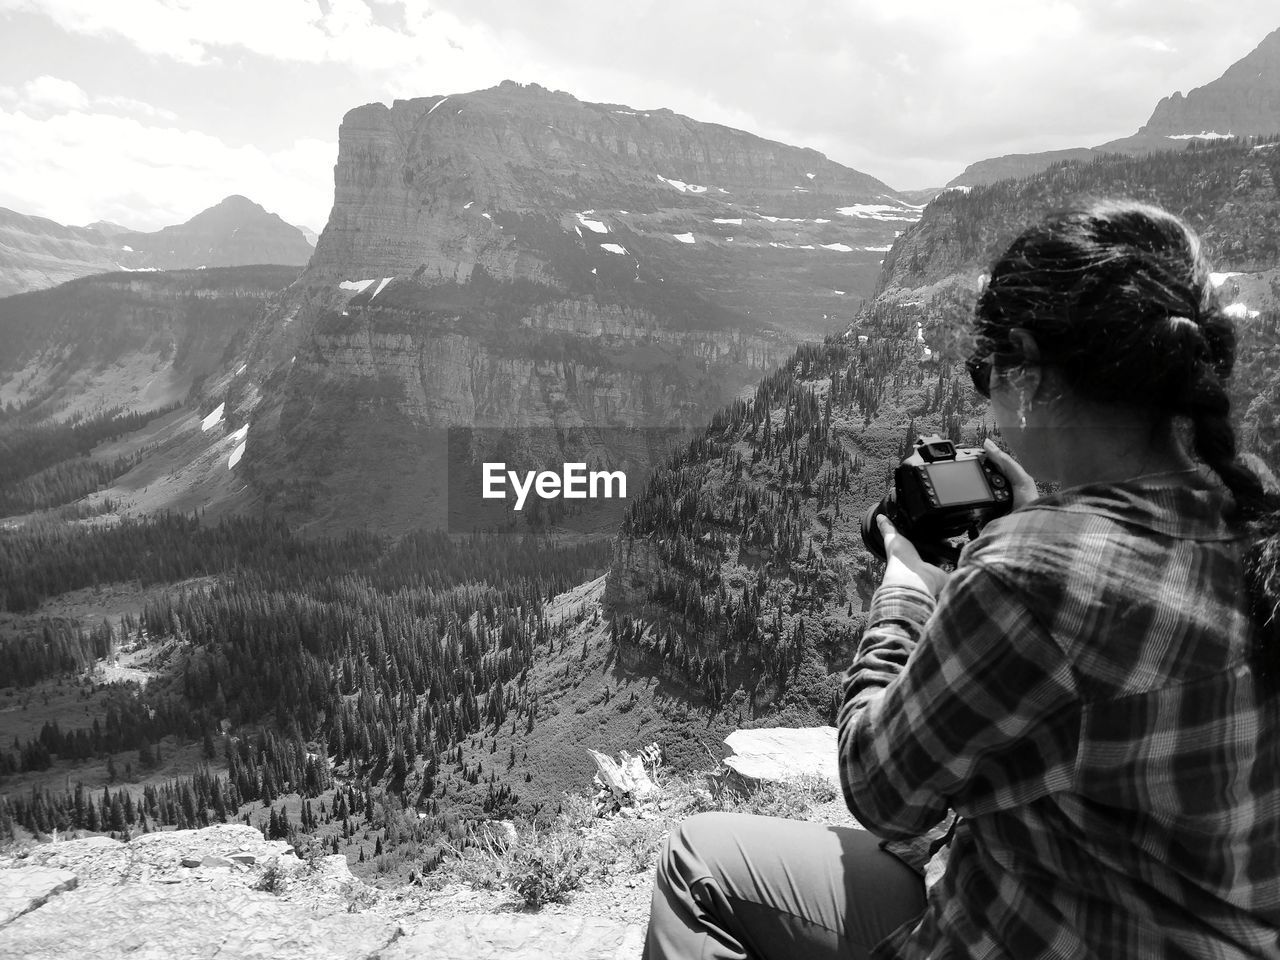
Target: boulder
(519,937)
(782,753)
(22,889)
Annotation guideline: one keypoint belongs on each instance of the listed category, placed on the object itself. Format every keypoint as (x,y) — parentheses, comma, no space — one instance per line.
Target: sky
(144,112)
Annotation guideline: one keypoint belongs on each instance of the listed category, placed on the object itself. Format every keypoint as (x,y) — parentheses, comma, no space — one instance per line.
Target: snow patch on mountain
(881,211)
(613,248)
(684,237)
(684,187)
(213,418)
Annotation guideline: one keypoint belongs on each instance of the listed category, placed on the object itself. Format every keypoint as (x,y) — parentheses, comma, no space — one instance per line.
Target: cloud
(910,93)
(46,95)
(49,94)
(201,32)
(78,166)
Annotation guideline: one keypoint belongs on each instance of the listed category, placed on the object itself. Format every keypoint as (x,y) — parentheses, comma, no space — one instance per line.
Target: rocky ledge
(224,891)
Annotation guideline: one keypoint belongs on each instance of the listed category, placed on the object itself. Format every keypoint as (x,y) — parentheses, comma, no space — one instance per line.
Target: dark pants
(732,886)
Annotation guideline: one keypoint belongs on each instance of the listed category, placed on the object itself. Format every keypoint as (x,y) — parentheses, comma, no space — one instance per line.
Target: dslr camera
(940,492)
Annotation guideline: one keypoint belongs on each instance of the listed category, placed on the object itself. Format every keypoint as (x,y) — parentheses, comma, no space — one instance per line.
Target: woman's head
(1114,305)
(1110,309)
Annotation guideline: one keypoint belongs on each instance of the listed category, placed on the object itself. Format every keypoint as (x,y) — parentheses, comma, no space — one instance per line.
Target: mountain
(1244,101)
(741,567)
(36,253)
(517,260)
(235,232)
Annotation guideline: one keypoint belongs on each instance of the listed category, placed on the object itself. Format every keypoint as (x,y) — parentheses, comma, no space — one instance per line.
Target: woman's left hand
(904,566)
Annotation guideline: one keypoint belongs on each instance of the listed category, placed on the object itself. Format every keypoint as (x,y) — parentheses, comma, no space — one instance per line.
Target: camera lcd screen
(958,482)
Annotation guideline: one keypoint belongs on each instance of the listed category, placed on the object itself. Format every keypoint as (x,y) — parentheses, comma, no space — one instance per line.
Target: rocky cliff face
(36,253)
(517,259)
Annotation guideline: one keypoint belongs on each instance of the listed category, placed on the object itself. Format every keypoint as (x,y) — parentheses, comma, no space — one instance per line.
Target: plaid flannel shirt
(1081,695)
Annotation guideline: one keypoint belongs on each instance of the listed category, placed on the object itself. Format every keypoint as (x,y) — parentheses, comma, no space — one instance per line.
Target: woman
(1093,690)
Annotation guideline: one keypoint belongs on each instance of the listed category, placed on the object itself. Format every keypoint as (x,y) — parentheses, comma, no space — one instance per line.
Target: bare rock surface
(781,753)
(246,897)
(23,892)
(241,897)
(520,937)
(191,920)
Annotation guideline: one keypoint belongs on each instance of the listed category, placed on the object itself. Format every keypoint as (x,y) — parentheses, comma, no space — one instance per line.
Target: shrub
(274,878)
(543,866)
(548,867)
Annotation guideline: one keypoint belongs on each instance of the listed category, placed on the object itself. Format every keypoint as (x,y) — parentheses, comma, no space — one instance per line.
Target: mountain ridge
(37,253)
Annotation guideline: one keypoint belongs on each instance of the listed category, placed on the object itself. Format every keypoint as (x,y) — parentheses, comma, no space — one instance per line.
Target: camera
(940,492)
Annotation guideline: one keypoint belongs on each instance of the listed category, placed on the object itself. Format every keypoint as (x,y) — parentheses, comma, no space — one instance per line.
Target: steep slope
(1244,101)
(95,359)
(519,260)
(742,565)
(36,253)
(133,341)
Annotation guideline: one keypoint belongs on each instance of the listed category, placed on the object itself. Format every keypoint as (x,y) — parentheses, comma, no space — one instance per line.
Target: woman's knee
(684,852)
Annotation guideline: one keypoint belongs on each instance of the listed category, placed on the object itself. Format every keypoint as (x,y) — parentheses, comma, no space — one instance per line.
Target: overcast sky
(145,112)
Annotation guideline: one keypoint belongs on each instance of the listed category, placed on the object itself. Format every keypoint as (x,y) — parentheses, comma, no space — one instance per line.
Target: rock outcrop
(225,892)
(783,753)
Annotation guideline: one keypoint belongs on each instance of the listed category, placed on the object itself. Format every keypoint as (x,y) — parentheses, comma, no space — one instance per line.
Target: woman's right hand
(1024,488)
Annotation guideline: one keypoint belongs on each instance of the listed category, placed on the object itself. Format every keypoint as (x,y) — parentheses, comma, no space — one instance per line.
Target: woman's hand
(1024,488)
(904,567)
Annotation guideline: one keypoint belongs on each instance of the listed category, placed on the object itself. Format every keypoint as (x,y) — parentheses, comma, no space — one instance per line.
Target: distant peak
(236,200)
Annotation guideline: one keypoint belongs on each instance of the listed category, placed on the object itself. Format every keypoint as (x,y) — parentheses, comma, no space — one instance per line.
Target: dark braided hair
(1117,296)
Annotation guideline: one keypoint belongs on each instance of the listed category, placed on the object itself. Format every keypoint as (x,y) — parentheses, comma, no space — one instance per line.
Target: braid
(1208,408)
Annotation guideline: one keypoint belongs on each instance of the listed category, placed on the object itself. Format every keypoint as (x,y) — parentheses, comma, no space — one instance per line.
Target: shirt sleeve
(966,703)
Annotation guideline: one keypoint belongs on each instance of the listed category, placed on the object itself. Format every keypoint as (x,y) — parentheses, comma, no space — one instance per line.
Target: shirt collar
(1189,510)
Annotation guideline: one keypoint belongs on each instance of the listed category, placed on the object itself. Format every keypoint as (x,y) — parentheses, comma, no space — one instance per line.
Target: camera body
(940,492)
